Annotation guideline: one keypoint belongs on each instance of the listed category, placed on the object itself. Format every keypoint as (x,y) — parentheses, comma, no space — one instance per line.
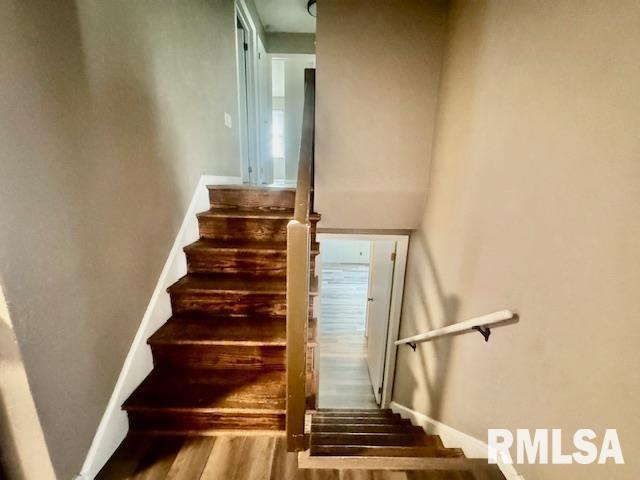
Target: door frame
(397,291)
(251,165)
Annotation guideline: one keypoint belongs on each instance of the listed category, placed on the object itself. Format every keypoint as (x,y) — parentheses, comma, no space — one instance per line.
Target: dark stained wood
(230,295)
(247,258)
(254,225)
(202,421)
(354,413)
(234,389)
(201,400)
(211,330)
(409,438)
(365,419)
(366,428)
(372,433)
(219,361)
(382,451)
(254,357)
(249,197)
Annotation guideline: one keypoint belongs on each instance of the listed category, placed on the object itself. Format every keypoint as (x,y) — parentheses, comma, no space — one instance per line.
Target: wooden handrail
(304,187)
(298,275)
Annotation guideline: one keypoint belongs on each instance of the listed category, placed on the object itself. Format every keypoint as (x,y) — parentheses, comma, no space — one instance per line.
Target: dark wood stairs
(380,433)
(219,361)
(382,440)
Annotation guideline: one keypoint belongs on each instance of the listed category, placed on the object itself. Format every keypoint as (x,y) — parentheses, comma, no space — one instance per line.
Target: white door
(378,303)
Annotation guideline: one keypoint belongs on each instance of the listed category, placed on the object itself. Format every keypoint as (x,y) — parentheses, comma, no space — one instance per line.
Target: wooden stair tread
(364,428)
(352,412)
(234,284)
(374,434)
(409,438)
(284,214)
(221,391)
(384,451)
(203,330)
(266,188)
(370,419)
(212,245)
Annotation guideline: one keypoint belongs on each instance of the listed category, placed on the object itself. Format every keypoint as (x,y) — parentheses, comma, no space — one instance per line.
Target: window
(277,134)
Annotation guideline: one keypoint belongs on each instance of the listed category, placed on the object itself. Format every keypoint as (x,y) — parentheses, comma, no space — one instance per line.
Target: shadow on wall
(426,308)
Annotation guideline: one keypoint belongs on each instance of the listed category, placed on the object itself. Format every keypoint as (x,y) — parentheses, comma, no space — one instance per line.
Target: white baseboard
(471,446)
(138,363)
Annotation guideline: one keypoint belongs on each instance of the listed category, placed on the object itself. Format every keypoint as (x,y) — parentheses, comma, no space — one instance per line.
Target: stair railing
(480,324)
(298,275)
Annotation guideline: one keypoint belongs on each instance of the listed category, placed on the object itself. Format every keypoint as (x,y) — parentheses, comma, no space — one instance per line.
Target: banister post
(298,271)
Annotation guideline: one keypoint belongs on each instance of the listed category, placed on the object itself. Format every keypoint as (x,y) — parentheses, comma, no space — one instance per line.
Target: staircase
(220,360)
(372,433)
(381,440)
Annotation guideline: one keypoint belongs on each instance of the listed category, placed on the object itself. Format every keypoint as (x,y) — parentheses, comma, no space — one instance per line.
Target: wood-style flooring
(342,350)
(234,457)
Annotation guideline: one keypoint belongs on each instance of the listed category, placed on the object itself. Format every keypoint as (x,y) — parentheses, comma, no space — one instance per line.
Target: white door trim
(402,248)
(253,112)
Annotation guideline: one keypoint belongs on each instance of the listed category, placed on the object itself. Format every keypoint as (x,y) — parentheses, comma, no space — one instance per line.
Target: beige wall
(23,451)
(534,204)
(282,42)
(110,112)
(377,81)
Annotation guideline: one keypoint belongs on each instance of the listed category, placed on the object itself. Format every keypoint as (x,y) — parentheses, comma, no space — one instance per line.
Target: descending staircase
(372,433)
(382,440)
(219,361)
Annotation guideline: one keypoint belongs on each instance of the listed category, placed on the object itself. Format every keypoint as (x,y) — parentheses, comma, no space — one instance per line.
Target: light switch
(227,120)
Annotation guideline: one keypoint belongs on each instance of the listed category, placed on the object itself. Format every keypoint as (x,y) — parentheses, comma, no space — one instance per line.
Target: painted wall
(533,205)
(377,82)
(345,251)
(23,451)
(110,112)
(282,42)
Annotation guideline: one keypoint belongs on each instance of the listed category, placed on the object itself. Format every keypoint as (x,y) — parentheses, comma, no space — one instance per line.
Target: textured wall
(110,112)
(534,204)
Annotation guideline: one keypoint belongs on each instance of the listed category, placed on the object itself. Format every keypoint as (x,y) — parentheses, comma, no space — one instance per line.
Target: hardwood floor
(234,457)
(344,377)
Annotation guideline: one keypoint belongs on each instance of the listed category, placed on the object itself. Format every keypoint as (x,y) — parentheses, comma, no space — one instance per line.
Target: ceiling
(285,16)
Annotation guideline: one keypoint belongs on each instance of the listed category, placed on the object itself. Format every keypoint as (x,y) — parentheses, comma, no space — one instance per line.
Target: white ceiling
(285,16)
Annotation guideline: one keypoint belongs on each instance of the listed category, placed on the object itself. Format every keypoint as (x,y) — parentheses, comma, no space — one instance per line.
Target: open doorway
(287,84)
(362,280)
(248,52)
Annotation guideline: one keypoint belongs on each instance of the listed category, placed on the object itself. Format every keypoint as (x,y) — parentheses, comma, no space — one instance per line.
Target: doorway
(362,279)
(248,84)
(287,83)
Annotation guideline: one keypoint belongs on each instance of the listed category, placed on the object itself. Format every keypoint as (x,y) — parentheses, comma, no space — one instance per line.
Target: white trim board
(471,446)
(114,424)
(402,248)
